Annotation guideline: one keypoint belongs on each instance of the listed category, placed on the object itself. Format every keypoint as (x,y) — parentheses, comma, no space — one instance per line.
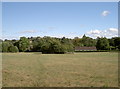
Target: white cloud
(28,31)
(111,32)
(94,32)
(105,13)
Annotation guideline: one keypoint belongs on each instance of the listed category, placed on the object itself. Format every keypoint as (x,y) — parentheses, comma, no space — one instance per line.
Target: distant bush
(13,49)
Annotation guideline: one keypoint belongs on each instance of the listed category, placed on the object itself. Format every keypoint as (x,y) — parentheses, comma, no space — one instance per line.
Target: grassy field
(60,70)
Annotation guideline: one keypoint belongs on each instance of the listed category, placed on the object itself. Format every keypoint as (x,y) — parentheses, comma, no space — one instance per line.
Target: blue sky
(58,19)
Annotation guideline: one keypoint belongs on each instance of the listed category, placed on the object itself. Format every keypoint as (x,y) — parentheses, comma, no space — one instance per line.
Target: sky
(59,19)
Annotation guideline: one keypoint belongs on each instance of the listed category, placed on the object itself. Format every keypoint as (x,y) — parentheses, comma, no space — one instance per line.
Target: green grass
(60,70)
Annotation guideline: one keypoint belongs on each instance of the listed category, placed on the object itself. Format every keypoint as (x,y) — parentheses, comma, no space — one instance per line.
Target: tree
(5,46)
(77,42)
(68,44)
(87,41)
(0,47)
(48,44)
(13,49)
(102,44)
(37,43)
(23,44)
(57,47)
(52,45)
(112,41)
(117,42)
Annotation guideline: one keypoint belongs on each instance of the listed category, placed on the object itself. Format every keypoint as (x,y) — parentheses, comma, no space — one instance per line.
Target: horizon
(59,19)
(56,37)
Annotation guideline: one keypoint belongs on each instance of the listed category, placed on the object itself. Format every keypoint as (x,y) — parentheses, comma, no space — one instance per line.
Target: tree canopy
(102,44)
(57,45)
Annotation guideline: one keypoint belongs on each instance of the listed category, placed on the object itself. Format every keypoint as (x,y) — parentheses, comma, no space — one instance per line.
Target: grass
(60,70)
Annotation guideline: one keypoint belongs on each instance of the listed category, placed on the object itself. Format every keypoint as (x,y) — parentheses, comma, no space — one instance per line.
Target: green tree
(57,47)
(68,44)
(37,44)
(77,42)
(87,41)
(5,46)
(112,42)
(117,42)
(52,45)
(23,44)
(0,47)
(13,49)
(102,44)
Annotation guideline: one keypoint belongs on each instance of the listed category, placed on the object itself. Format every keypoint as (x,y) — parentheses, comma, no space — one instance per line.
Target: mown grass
(60,70)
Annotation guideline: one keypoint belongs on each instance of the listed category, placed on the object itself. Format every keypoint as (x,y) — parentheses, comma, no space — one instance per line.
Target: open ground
(97,69)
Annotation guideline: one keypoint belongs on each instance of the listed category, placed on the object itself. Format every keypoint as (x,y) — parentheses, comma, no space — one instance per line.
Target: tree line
(48,44)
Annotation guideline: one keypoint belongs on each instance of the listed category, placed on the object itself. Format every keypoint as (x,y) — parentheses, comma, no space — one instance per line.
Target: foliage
(117,42)
(0,47)
(77,42)
(23,44)
(52,46)
(102,44)
(5,46)
(87,41)
(84,41)
(48,44)
(13,49)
